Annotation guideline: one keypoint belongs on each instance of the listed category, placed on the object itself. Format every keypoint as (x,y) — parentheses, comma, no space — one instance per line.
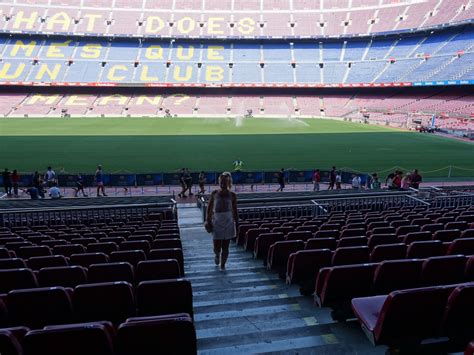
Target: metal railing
(460,200)
(74,214)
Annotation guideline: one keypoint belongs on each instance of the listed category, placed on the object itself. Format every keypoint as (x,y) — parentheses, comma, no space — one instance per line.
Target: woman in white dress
(222,218)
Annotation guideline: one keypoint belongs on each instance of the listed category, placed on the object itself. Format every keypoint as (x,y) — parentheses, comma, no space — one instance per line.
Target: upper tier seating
(229,18)
(440,55)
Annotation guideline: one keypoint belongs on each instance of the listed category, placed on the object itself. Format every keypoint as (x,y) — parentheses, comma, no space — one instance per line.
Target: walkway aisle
(249,310)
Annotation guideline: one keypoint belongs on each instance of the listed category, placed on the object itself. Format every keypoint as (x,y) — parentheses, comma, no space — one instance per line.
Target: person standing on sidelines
(15,182)
(338,180)
(79,186)
(281,180)
(202,181)
(99,180)
(356,182)
(332,178)
(7,181)
(50,177)
(222,218)
(316,180)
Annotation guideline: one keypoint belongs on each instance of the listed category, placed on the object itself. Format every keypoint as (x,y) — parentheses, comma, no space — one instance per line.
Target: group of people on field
(48,183)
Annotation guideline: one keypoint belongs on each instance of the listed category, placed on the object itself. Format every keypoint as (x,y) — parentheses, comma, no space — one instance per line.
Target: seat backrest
(157,270)
(136,245)
(469,271)
(417,237)
(130,256)
(69,249)
(171,253)
(351,255)
(443,270)
(87,259)
(447,235)
(421,221)
(352,242)
(36,308)
(102,247)
(425,249)
(331,233)
(90,338)
(299,235)
(432,227)
(392,275)
(167,244)
(345,282)
(402,317)
(457,320)
(175,334)
(17,279)
(321,243)
(380,239)
(461,225)
(65,276)
(111,301)
(32,251)
(403,230)
(83,241)
(14,263)
(463,246)
(9,343)
(111,272)
(39,262)
(468,233)
(164,297)
(388,252)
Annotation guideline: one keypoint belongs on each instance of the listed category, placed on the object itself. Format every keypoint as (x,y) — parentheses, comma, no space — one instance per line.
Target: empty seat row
(138,335)
(83,258)
(303,265)
(402,319)
(71,276)
(338,284)
(113,301)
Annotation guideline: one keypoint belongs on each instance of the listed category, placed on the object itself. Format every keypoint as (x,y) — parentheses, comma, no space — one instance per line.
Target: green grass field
(141,145)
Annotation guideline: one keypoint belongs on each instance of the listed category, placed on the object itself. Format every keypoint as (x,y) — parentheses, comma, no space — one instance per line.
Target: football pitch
(142,145)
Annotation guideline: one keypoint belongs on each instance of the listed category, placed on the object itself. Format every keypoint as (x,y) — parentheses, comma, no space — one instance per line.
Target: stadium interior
(312,270)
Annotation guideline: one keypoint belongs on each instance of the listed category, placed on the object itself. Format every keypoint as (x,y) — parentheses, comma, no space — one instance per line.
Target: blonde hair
(225,179)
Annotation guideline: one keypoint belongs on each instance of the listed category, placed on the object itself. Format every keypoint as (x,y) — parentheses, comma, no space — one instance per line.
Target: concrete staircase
(247,309)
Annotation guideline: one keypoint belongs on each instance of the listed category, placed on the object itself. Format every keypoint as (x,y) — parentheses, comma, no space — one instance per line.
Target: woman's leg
(225,252)
(217,251)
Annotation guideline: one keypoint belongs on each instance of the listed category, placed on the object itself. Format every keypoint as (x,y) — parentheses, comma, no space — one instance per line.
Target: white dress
(223,218)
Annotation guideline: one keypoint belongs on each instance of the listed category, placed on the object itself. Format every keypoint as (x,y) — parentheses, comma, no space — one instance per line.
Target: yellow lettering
(91,21)
(154,24)
(44,69)
(118,99)
(27,48)
(29,21)
(214,73)
(54,51)
(144,75)
(177,73)
(154,52)
(246,25)
(59,18)
(186,25)
(49,100)
(112,76)
(6,67)
(214,25)
(213,53)
(91,51)
(180,53)
(75,100)
(155,100)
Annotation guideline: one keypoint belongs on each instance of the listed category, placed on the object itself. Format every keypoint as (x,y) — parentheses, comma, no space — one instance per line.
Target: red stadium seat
(65,276)
(39,262)
(164,297)
(110,272)
(279,253)
(304,265)
(160,254)
(321,243)
(351,255)
(457,321)
(36,308)
(157,270)
(129,256)
(263,243)
(175,334)
(87,259)
(443,270)
(17,279)
(111,301)
(388,252)
(14,263)
(392,275)
(425,249)
(88,338)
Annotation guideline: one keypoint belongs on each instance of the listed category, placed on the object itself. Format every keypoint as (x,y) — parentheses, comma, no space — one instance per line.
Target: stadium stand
(298,18)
